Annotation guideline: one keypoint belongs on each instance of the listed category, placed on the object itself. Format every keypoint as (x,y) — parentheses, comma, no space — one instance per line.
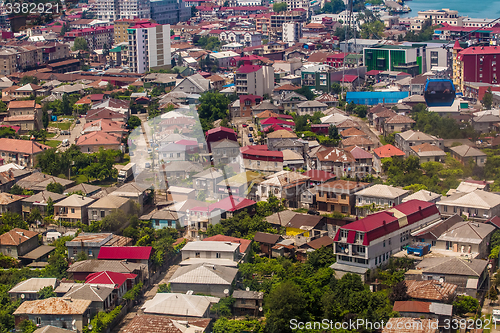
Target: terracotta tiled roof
(21,104)
(17,236)
(388,151)
(22,146)
(335,155)
(98,138)
(352,132)
(356,141)
(54,306)
(430,290)
(400,119)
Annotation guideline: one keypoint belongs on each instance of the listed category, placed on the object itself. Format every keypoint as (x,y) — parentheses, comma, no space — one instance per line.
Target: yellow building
(457,68)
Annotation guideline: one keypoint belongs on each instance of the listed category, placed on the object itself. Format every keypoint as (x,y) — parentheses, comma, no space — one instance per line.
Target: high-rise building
(149,47)
(169,11)
(292,32)
(113,10)
(133,9)
(476,64)
(121,26)
(254,79)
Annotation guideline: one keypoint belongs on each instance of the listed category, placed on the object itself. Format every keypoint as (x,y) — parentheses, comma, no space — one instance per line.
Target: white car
(495,318)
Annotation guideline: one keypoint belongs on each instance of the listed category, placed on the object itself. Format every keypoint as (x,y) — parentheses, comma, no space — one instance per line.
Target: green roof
(394,47)
(116,49)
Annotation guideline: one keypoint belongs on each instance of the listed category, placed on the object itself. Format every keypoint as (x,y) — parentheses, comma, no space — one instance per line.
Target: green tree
(16,189)
(45,119)
(333,132)
(333,7)
(80,43)
(493,294)
(465,304)
(55,187)
(7,132)
(279,7)
(66,108)
(336,88)
(193,11)
(27,326)
(34,216)
(50,207)
(164,288)
(306,92)
(285,302)
(46,292)
(372,30)
(213,106)
(399,292)
(134,122)
(12,220)
(28,79)
(487,99)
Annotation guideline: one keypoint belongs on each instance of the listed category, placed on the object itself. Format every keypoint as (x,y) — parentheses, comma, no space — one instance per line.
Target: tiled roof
(21,104)
(359,153)
(453,266)
(399,119)
(409,325)
(319,175)
(98,138)
(16,236)
(22,146)
(281,134)
(335,155)
(352,132)
(388,151)
(244,243)
(431,290)
(356,141)
(467,151)
(160,324)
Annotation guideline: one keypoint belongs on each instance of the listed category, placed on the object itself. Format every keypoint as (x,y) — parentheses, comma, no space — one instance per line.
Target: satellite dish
(260,308)
(247,289)
(23,296)
(441,280)
(226,291)
(346,250)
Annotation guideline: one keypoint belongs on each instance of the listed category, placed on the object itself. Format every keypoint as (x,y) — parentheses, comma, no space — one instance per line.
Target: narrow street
(148,295)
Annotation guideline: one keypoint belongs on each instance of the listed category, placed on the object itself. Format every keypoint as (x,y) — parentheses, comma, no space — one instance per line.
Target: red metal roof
(382,223)
(412,306)
(245,69)
(373,72)
(187,142)
(125,252)
(249,150)
(244,243)
(220,129)
(274,120)
(319,175)
(495,220)
(388,151)
(276,127)
(107,277)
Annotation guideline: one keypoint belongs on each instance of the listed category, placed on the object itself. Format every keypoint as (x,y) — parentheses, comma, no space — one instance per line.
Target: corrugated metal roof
(33,285)
(204,274)
(125,252)
(54,306)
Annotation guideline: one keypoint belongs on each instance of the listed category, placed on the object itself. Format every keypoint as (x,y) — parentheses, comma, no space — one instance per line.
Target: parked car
(147,165)
(249,135)
(312,212)
(150,150)
(65,142)
(65,132)
(78,121)
(244,125)
(250,140)
(250,128)
(131,153)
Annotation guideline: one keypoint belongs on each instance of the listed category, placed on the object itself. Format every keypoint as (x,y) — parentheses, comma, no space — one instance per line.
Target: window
(90,253)
(157,222)
(383,243)
(72,210)
(217,255)
(178,154)
(344,209)
(75,252)
(343,196)
(445,209)
(38,321)
(197,254)
(103,213)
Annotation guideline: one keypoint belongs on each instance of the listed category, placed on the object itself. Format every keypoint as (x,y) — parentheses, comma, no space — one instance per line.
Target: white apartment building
(149,47)
(294,4)
(254,80)
(369,242)
(112,10)
(292,32)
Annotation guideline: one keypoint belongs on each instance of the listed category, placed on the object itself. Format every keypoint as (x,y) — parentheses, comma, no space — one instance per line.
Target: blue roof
(375,97)
(228,85)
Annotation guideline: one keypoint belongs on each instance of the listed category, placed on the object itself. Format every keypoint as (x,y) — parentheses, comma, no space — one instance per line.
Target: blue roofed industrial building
(375,97)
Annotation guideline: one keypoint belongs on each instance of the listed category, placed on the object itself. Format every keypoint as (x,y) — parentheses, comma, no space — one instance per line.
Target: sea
(487,9)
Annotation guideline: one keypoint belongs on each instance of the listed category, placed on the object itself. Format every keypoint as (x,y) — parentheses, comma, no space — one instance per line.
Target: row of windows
(382,258)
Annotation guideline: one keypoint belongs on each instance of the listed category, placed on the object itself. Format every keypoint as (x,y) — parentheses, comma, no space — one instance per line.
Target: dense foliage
(213,106)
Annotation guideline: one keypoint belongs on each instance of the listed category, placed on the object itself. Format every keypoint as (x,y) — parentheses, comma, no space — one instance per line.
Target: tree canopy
(80,43)
(279,7)
(213,106)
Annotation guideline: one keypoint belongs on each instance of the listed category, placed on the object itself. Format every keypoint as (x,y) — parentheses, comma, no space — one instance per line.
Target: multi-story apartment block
(169,11)
(438,16)
(262,23)
(338,196)
(246,38)
(261,160)
(131,9)
(378,197)
(121,26)
(97,38)
(149,47)
(476,64)
(8,58)
(369,242)
(254,80)
(295,4)
(292,32)
(317,77)
(112,10)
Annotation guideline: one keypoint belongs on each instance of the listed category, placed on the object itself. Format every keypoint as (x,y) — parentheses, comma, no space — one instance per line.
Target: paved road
(75,132)
(148,295)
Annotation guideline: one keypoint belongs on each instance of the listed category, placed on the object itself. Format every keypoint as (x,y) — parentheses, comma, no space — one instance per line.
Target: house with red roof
(201,216)
(385,152)
(120,282)
(369,242)
(246,104)
(219,133)
(244,243)
(22,152)
(261,160)
(265,123)
(254,79)
(319,176)
(92,142)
